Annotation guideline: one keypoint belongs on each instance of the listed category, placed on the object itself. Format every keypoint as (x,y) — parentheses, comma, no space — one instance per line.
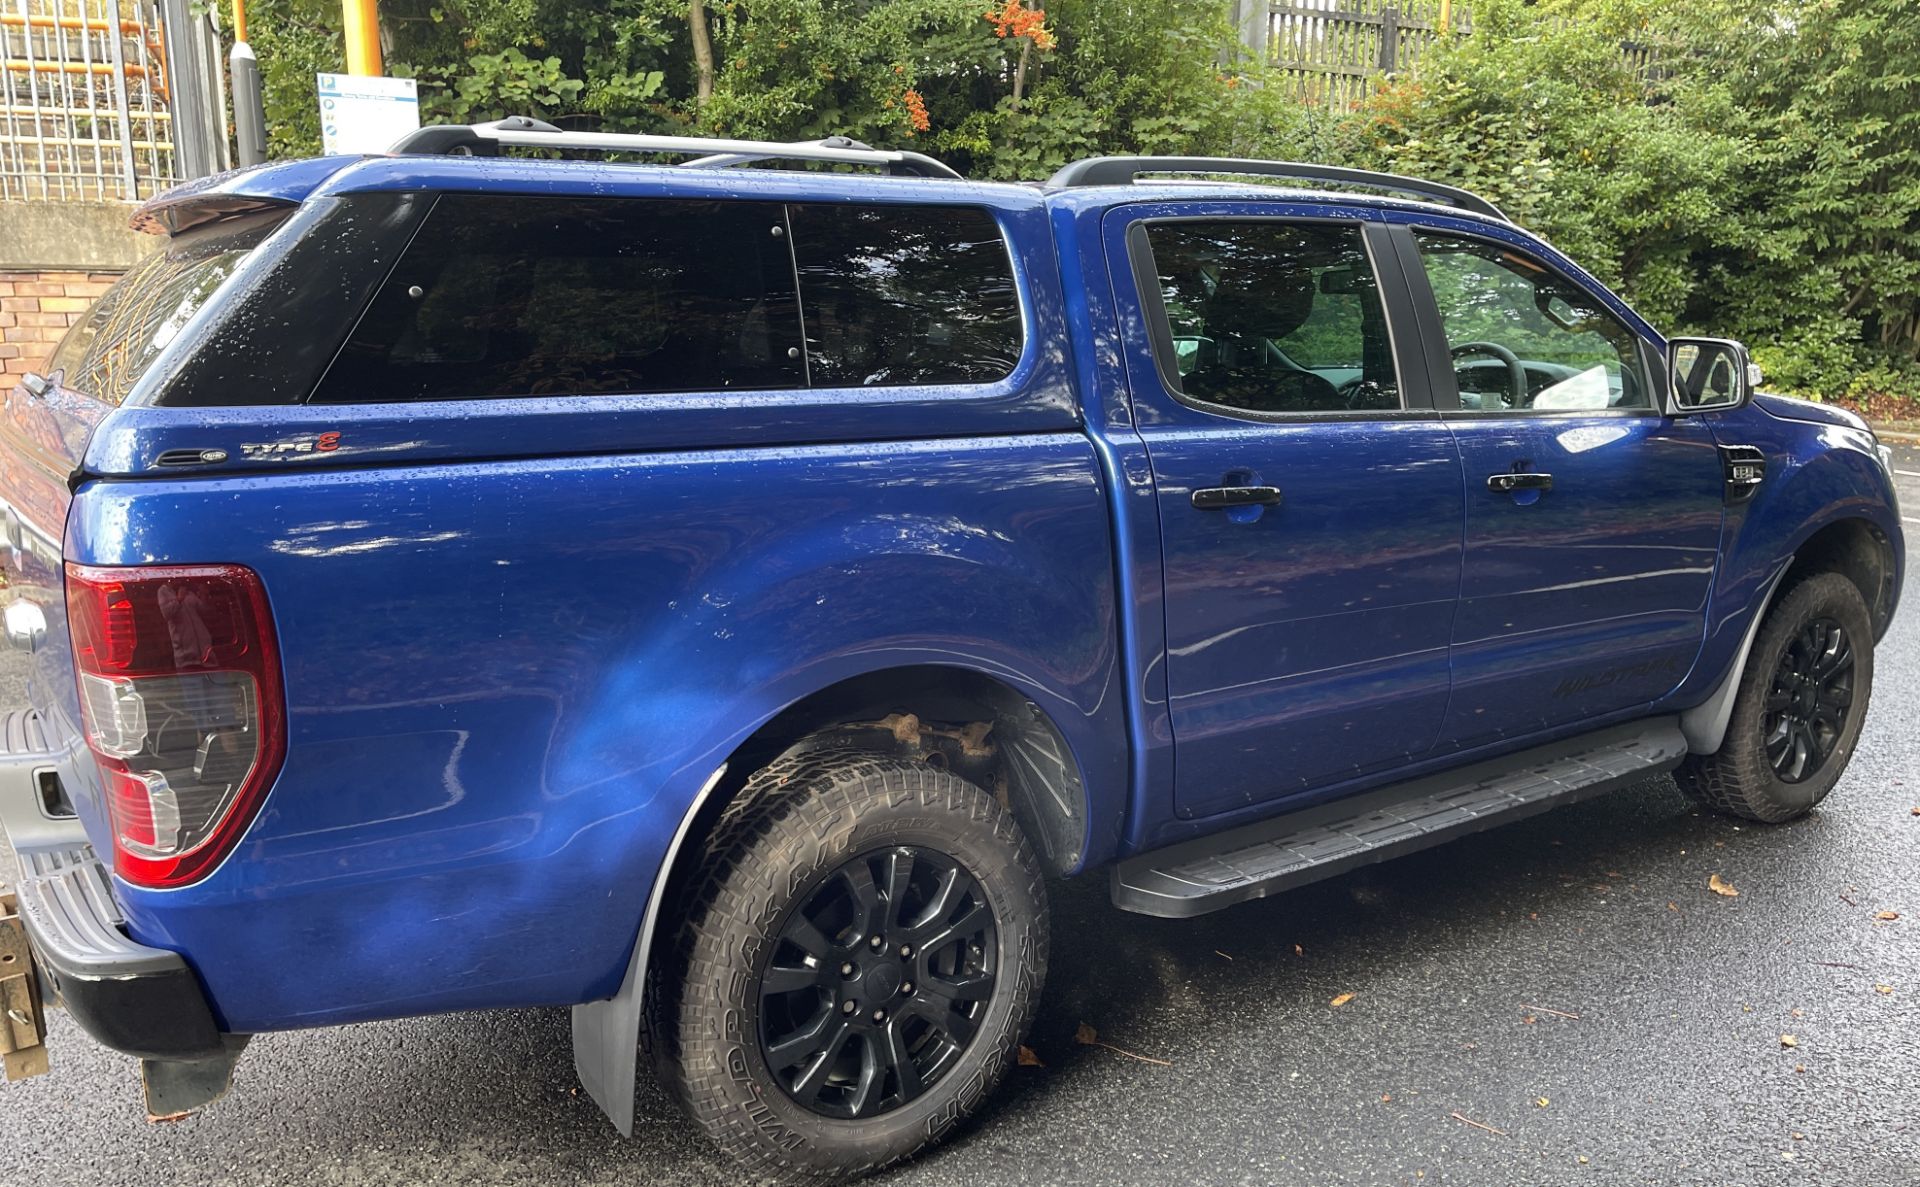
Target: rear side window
(517,296)
(109,349)
(506,295)
(905,295)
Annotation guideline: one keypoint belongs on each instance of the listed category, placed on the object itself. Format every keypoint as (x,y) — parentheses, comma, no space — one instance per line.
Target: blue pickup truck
(719,596)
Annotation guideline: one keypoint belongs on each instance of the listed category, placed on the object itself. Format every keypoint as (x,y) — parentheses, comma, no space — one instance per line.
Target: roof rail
(520,131)
(1124,170)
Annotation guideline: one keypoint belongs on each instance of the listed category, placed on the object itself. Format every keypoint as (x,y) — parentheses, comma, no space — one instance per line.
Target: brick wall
(35,310)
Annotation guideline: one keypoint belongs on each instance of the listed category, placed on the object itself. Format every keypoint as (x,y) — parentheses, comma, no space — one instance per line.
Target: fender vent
(1746,469)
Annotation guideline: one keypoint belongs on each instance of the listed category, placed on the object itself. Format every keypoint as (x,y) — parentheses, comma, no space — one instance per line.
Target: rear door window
(508,295)
(1274,317)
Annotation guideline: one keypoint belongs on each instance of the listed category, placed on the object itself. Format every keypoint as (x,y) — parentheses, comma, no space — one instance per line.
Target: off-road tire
(1738,779)
(808,815)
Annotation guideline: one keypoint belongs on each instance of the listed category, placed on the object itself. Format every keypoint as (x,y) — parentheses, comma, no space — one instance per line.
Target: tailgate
(42,760)
(42,439)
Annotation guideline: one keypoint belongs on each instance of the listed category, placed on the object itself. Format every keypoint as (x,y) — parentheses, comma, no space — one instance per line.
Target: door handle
(1217,498)
(1507,483)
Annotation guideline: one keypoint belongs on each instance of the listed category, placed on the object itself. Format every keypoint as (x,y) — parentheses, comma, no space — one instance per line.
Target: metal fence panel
(83,101)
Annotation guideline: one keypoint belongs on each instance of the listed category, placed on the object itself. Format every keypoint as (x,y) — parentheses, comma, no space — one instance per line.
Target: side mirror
(1709,375)
(1189,351)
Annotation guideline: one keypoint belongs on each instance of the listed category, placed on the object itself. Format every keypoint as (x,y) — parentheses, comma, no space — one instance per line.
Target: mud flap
(606,1034)
(178,1087)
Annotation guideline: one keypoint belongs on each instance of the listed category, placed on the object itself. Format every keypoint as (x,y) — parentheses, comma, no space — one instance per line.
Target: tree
(1760,178)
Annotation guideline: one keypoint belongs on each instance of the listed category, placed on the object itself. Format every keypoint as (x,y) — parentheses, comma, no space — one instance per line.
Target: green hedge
(1762,180)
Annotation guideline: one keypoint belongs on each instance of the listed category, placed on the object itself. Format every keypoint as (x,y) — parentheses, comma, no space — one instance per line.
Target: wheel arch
(979,725)
(976,723)
(1853,546)
(1858,549)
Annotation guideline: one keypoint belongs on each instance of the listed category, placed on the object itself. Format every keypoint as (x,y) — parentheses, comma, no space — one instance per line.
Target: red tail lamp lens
(180,692)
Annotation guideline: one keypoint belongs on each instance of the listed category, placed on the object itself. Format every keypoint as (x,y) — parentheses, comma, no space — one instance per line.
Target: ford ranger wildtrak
(719,596)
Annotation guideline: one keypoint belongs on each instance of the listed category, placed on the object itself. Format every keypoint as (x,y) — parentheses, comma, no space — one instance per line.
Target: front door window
(1524,338)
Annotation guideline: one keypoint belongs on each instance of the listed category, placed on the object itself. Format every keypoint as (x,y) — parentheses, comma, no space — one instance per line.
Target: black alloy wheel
(877,982)
(1809,700)
(855,967)
(1798,708)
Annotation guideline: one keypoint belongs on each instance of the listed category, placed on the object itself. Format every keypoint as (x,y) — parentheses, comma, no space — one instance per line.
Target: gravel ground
(1562,1001)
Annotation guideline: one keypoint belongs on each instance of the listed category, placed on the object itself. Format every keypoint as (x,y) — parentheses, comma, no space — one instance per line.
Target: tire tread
(801,804)
(1736,779)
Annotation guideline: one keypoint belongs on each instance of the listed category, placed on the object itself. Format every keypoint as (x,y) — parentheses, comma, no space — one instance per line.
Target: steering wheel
(1516,373)
(1366,395)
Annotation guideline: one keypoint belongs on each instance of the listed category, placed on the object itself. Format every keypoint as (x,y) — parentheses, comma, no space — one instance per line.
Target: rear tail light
(180,691)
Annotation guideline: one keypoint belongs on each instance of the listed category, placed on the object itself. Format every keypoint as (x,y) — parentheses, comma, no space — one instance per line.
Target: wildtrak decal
(1606,676)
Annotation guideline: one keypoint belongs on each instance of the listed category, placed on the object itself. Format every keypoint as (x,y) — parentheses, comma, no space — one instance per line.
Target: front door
(1310,499)
(1592,518)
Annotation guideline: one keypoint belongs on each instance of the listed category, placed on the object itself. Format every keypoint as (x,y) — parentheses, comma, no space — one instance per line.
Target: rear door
(1592,518)
(1309,495)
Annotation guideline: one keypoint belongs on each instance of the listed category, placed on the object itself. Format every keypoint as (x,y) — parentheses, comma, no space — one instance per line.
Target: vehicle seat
(1245,371)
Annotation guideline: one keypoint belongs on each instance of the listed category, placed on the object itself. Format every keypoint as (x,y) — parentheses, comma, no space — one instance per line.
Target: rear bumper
(140,1000)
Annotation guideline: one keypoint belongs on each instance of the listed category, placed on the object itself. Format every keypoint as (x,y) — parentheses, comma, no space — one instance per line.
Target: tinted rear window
(109,349)
(515,296)
(905,295)
(504,295)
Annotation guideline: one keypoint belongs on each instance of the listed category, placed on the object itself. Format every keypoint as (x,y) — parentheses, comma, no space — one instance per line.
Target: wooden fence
(1332,50)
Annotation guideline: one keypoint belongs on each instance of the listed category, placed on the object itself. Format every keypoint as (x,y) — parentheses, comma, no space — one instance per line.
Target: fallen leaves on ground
(1342,1000)
(1886,916)
(1789,1041)
(1086,1036)
(1883,989)
(1299,951)
(1914,812)
(1722,887)
(1541,1101)
(1027,1058)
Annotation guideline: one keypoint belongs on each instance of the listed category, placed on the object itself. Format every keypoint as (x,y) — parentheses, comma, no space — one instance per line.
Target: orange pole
(239,20)
(363,37)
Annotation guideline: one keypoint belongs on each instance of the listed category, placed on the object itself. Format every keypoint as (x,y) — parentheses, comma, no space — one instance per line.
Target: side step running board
(1196,877)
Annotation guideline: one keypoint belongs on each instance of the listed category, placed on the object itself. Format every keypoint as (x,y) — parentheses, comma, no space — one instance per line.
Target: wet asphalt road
(1569,982)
